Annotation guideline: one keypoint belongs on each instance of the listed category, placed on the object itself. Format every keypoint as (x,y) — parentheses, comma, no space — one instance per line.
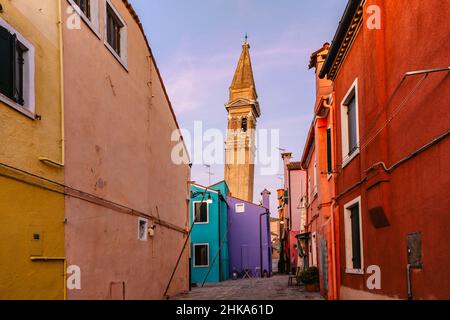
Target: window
(329,157)
(244,125)
(351,115)
(201,255)
(201,214)
(315,178)
(349,124)
(353,236)
(17,70)
(116,33)
(142,229)
(85,7)
(240,207)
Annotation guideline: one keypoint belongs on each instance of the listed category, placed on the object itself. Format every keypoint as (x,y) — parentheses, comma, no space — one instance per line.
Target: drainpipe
(260,242)
(61,84)
(333,251)
(219,239)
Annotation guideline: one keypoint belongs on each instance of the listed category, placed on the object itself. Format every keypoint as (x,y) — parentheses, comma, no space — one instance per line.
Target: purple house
(249,244)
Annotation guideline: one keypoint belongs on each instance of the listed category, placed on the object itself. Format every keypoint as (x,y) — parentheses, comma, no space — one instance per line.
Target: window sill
(17,107)
(354,271)
(200,266)
(94,28)
(201,223)
(349,159)
(123,62)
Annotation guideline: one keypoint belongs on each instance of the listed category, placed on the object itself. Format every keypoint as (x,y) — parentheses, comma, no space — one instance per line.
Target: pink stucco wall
(298,190)
(118,147)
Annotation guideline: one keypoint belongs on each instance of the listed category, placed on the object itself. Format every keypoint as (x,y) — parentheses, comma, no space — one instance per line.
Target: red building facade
(389,65)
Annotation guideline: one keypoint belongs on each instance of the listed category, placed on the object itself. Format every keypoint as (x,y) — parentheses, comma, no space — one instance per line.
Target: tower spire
(243,84)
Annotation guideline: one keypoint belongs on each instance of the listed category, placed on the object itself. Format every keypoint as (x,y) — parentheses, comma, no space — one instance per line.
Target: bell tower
(243,112)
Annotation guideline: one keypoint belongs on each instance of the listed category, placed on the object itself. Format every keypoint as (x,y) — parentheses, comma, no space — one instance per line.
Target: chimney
(266,198)
(286,160)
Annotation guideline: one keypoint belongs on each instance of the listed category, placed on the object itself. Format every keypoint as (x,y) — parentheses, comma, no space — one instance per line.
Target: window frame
(207,212)
(140,219)
(194,245)
(122,56)
(28,82)
(352,92)
(93,22)
(241,204)
(348,234)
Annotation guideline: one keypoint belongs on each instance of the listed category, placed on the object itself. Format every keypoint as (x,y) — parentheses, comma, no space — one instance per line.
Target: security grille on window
(12,54)
(113,30)
(85,7)
(201,212)
(201,255)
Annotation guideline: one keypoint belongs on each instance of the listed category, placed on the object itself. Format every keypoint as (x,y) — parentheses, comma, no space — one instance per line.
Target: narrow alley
(274,288)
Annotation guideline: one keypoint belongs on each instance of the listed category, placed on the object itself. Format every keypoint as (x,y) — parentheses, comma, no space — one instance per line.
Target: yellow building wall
(27,206)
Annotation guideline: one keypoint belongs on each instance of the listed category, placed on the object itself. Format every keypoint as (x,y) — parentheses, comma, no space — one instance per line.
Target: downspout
(219,239)
(46,160)
(64,260)
(260,242)
(328,105)
(290,219)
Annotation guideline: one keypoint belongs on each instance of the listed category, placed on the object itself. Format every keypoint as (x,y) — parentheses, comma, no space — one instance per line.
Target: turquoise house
(209,235)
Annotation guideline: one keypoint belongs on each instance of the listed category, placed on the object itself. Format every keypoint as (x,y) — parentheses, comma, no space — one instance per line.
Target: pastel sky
(197,44)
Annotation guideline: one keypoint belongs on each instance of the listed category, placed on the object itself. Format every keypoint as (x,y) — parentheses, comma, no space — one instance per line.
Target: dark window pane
(7,53)
(85,7)
(329,157)
(352,126)
(201,255)
(356,238)
(244,124)
(201,212)
(114,25)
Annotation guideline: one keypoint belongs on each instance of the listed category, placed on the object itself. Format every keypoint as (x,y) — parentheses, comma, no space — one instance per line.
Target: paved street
(275,288)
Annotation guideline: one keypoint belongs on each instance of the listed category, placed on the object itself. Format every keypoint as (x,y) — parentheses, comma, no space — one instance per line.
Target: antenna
(210,173)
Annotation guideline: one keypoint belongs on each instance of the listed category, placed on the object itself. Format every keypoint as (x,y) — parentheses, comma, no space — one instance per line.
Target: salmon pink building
(317,161)
(123,230)
(389,65)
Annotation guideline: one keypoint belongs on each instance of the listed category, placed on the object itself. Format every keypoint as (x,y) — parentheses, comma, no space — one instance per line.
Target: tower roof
(243,85)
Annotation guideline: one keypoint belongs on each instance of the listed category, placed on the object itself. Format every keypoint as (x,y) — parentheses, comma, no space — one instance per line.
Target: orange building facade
(380,197)
(317,161)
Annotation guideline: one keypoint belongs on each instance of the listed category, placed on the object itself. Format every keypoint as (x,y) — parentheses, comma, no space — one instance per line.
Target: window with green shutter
(6,63)
(11,63)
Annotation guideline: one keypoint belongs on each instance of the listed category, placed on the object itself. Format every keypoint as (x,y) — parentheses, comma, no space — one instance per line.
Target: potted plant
(310,277)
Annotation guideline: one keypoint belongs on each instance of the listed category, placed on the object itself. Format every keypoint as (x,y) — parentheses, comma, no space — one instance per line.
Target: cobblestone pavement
(275,288)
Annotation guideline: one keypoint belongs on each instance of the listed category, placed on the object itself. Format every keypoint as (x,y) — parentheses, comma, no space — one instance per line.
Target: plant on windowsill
(310,277)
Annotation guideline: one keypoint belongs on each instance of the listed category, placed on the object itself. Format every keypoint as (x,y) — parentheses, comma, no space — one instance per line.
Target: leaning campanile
(243,111)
